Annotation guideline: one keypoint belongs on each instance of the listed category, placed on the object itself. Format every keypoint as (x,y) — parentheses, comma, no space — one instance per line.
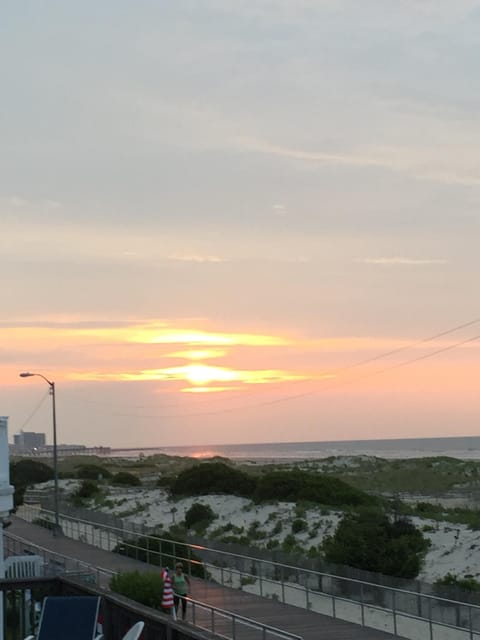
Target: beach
(453,549)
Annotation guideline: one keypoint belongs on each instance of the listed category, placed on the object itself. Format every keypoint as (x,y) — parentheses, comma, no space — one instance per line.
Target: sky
(240,221)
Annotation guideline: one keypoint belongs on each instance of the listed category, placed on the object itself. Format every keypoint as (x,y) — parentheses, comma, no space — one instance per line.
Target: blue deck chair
(68,617)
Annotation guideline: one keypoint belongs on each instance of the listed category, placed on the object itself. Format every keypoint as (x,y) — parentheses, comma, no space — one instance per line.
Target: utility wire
(314,391)
(42,400)
(408,346)
(355,365)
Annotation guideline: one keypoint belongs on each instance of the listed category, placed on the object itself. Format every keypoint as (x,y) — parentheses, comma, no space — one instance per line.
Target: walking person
(181,588)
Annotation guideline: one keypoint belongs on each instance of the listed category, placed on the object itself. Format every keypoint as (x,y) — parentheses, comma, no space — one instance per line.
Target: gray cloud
(399,261)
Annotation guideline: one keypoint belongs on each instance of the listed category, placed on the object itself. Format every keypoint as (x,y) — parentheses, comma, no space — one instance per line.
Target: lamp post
(27,374)
(6,502)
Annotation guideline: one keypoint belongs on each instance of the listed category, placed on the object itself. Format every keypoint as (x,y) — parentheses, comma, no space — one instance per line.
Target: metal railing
(230,625)
(24,597)
(57,563)
(399,611)
(218,621)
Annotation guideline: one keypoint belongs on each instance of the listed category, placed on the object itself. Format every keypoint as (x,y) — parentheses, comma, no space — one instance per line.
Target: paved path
(309,625)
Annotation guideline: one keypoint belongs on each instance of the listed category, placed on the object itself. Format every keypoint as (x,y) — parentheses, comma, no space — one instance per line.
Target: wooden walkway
(308,625)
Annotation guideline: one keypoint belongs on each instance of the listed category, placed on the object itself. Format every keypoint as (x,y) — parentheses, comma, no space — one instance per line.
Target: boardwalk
(311,626)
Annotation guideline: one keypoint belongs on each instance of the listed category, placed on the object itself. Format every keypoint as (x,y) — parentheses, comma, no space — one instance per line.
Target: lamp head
(26,374)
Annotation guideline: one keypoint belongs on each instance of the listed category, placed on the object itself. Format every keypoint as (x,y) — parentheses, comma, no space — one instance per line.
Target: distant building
(28,441)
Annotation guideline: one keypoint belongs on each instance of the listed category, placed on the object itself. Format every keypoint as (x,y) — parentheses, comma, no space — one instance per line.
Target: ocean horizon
(464,447)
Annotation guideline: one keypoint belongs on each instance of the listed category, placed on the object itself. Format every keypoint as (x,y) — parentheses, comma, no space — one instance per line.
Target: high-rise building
(28,441)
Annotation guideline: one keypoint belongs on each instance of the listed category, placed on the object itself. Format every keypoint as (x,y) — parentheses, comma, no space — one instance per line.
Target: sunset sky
(240,221)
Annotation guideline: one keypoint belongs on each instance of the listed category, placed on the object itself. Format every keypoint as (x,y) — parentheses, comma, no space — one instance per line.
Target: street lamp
(27,374)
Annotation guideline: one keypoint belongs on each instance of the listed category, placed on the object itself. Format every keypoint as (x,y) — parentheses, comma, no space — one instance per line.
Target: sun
(203,374)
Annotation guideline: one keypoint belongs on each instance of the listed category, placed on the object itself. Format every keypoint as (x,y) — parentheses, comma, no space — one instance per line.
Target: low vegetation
(297,485)
(162,552)
(370,540)
(145,588)
(27,472)
(213,477)
(415,475)
(199,517)
(316,487)
(291,485)
(126,479)
(468,583)
(92,472)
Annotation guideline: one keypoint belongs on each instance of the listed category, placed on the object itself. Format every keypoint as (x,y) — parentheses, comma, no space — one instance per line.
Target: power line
(42,400)
(309,393)
(409,346)
(355,365)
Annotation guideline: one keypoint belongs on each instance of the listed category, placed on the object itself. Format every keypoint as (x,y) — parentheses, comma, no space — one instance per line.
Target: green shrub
(428,528)
(299,525)
(297,485)
(165,481)
(163,552)
(146,588)
(428,508)
(88,489)
(370,540)
(67,475)
(254,532)
(272,544)
(226,528)
(277,528)
(27,472)
(468,583)
(213,477)
(127,479)
(199,516)
(289,544)
(92,472)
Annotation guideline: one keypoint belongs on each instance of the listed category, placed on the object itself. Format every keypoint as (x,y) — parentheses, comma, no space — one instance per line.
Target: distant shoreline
(465,448)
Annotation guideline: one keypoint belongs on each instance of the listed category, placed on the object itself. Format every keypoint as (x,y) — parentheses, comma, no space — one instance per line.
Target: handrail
(397,603)
(48,553)
(233,617)
(197,547)
(250,622)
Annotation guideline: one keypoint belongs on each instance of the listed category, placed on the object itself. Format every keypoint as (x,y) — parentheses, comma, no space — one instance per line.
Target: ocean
(465,448)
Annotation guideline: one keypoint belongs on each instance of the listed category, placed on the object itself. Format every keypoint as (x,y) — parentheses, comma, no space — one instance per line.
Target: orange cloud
(198,354)
(198,375)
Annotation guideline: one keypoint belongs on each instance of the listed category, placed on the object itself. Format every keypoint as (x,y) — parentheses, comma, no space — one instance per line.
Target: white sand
(455,548)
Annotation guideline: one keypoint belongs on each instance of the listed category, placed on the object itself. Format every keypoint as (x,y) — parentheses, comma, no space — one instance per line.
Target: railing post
(283,583)
(394,611)
(212,614)
(362,604)
(430,618)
